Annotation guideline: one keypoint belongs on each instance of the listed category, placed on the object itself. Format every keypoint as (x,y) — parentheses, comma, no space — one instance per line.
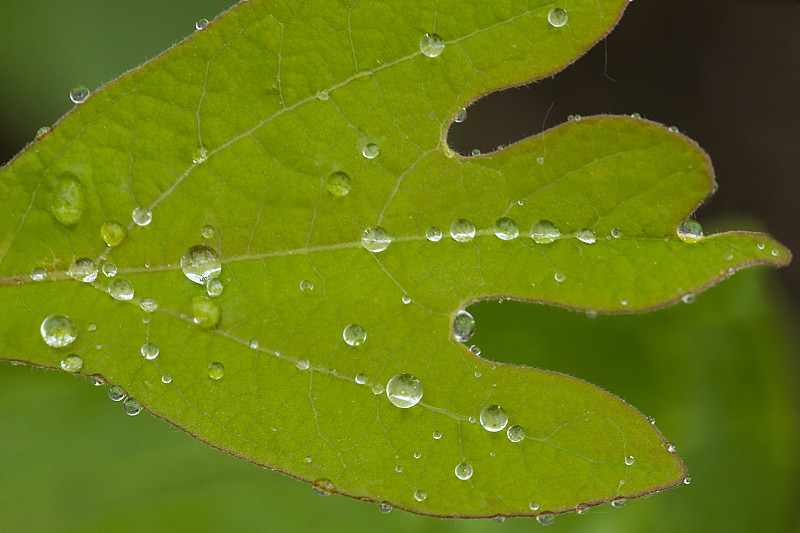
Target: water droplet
(404,390)
(142,216)
(690,231)
(515,433)
(398,469)
(433,234)
(166,378)
(72,363)
(623,303)
(652,420)
(41,132)
(338,184)
(560,276)
(462,230)
(463,471)
(420,495)
(533,506)
(544,232)
(323,95)
(729,257)
(557,17)
(376,239)
(66,201)
(687,480)
(324,487)
(303,364)
(38,274)
(628,460)
(461,116)
(670,447)
(120,289)
(79,94)
(472,420)
(582,508)
(361,379)
(540,160)
(112,232)
(417,455)
(83,269)
(761,246)
(307,459)
(546,519)
(505,229)
(585,235)
(591,314)
(689,298)
(200,155)
(200,24)
(109,270)
(493,418)
(476,152)
(354,334)
(148,305)
(437,435)
(91,327)
(214,287)
(636,115)
(619,502)
(377,388)
(775,252)
(370,150)
(208,231)
(131,406)
(475,349)
(306,285)
(385,508)
(58,331)
(149,350)
(431,45)
(616,233)
(673,129)
(116,393)
(200,263)
(216,370)
(206,312)
(463,326)
(478,373)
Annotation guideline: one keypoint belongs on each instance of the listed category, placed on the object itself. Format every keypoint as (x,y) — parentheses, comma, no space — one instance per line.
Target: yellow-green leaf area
(302,143)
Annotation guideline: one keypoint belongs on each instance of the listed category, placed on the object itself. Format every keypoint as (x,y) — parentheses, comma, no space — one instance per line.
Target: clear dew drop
(591,314)
(377,388)
(38,274)
(560,276)
(302,364)
(462,230)
(431,45)
(354,334)
(109,270)
(616,233)
(533,506)
(376,239)
(83,269)
(208,231)
(79,94)
(689,298)
(205,312)
(461,115)
(323,95)
(398,469)
(216,370)
(214,287)
(149,350)
(505,229)
(515,433)
(116,393)
(404,390)
(142,216)
(112,232)
(557,17)
(308,459)
(472,420)
(417,455)
(463,471)
(131,406)
(148,305)
(41,132)
(475,349)
(761,246)
(476,152)
(338,183)
(200,155)
(775,252)
(306,285)
(71,363)
(200,263)
(385,508)
(370,150)
(433,234)
(586,235)
(200,24)
(91,327)
(582,509)
(437,435)
(493,418)
(540,160)
(166,379)
(619,502)
(544,232)
(361,379)
(58,331)
(687,480)
(324,487)
(546,519)
(66,201)
(420,495)
(670,447)
(121,289)
(629,460)
(406,299)
(463,326)
(689,231)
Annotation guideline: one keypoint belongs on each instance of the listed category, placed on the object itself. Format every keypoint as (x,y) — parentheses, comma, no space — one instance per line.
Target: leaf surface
(254,127)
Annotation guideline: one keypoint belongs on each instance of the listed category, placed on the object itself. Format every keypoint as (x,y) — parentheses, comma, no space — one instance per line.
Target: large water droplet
(116,393)
(338,184)
(66,201)
(38,274)
(121,289)
(354,334)
(463,326)
(690,231)
(370,150)
(72,363)
(463,471)
(112,232)
(205,312)
(544,232)
(79,94)
(505,229)
(420,495)
(131,406)
(324,487)
(58,331)
(404,390)
(557,17)
(214,287)
(149,350)
(142,216)
(585,235)
(216,370)
(493,418)
(201,262)
(109,270)
(546,519)
(431,45)
(433,234)
(376,239)
(462,230)
(461,116)
(83,269)
(515,433)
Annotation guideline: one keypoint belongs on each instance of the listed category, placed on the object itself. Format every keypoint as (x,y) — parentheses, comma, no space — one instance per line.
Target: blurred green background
(720,376)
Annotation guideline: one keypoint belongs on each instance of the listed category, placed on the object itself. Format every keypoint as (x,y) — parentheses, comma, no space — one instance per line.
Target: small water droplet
(131,406)
(560,276)
(728,256)
(58,331)
(404,390)
(670,447)
(149,350)
(83,269)
(582,509)
(417,455)
(200,24)
(166,378)
(324,487)
(628,460)
(376,239)
(148,305)
(493,418)
(472,420)
(112,232)
(354,334)
(463,471)
(462,230)
(109,270)
(66,201)
(214,287)
(652,420)
(461,115)
(323,95)
(91,327)
(616,233)
(431,45)
(361,379)
(200,155)
(557,17)
(475,349)
(775,252)
(121,289)
(533,506)
(41,132)
(205,312)
(463,326)
(420,495)
(38,274)
(636,115)
(200,263)
(476,152)
(72,363)
(370,150)
(585,235)
(338,184)
(760,246)
(79,94)
(673,129)
(619,502)
(591,314)
(505,229)
(142,216)
(385,508)
(303,364)
(687,480)
(540,160)
(515,433)
(216,370)
(623,303)
(307,459)
(433,234)
(306,285)
(377,388)
(689,231)
(546,519)
(116,393)
(689,298)
(544,232)
(398,469)
(437,435)
(478,373)
(208,231)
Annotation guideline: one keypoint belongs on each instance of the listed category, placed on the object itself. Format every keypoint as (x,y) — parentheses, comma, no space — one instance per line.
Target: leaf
(255,127)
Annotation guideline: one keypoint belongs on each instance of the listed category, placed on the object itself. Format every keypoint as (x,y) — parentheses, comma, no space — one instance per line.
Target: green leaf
(258,127)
